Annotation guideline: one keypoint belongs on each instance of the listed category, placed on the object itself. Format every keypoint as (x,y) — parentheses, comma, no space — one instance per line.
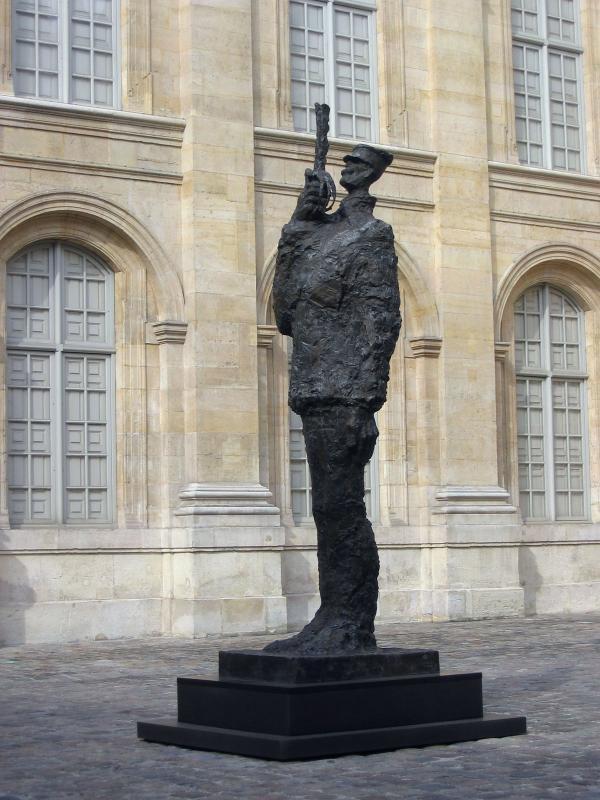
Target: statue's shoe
(326,636)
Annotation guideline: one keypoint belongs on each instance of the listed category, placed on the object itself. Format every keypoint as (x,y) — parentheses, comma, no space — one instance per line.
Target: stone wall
(183,193)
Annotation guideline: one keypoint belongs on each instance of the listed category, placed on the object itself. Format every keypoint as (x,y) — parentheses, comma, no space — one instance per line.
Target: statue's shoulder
(382,229)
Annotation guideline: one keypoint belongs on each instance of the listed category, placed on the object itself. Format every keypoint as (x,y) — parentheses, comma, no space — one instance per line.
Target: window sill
(342,144)
(80,112)
(524,172)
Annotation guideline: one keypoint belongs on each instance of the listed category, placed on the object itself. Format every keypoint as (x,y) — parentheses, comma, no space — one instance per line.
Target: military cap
(378,159)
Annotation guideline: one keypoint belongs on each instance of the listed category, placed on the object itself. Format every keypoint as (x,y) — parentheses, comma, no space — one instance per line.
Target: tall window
(546,68)
(65,50)
(551,402)
(333,62)
(60,388)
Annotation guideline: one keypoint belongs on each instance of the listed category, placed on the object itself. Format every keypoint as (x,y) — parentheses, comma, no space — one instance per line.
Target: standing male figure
(336,294)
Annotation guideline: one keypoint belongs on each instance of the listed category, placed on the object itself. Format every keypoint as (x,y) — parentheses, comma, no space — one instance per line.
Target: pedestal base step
(384,662)
(337,743)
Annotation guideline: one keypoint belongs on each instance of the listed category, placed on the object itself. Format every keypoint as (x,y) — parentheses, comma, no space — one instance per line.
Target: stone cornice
(223,504)
(300,146)
(85,121)
(270,187)
(426,346)
(473,500)
(265,335)
(501,350)
(545,221)
(544,181)
(169,331)
(86,168)
(160,164)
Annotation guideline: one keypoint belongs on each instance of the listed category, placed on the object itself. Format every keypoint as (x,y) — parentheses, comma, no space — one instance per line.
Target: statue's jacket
(336,294)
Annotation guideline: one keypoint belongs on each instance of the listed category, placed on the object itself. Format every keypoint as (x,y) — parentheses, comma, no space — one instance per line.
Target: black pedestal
(385,662)
(284,712)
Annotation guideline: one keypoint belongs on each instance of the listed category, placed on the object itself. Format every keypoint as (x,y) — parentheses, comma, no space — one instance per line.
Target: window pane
(561,20)
(307,37)
(524,16)
(42,413)
(566,134)
(35,40)
(91,33)
(534,102)
(530,431)
(528,104)
(343,48)
(550,446)
(352,74)
(29,442)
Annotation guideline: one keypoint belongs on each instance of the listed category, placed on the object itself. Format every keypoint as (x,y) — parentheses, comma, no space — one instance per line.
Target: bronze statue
(330,690)
(336,294)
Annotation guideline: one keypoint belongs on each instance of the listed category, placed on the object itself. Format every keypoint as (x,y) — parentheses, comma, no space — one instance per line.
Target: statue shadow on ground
(530,579)
(16,596)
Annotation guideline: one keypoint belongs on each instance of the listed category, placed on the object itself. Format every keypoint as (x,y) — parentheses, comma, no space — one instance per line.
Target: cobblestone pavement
(68,716)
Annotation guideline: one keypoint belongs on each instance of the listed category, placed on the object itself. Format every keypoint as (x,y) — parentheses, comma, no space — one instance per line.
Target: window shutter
(549,361)
(60,394)
(331,59)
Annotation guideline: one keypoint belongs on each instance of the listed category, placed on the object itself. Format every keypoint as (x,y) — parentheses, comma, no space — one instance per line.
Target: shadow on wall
(530,579)
(16,595)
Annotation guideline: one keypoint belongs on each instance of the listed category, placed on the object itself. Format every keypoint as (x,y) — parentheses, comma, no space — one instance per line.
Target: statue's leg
(339,443)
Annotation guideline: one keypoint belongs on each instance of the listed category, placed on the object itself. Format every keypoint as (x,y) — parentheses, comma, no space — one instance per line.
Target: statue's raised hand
(313,200)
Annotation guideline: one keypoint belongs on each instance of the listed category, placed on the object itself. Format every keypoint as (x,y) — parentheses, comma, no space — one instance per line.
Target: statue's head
(364,165)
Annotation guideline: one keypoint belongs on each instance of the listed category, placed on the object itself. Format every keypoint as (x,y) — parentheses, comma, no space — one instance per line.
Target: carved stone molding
(92,220)
(170,331)
(426,346)
(501,350)
(473,500)
(295,146)
(266,334)
(226,504)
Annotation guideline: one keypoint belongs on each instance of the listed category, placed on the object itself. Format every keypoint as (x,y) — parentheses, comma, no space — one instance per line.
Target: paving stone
(69,712)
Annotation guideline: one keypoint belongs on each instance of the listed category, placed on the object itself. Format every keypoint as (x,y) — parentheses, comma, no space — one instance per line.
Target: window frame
(545,46)
(329,7)
(547,376)
(65,47)
(57,348)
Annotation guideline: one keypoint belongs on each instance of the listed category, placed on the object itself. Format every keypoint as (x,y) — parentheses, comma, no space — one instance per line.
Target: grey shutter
(92,57)
(60,395)
(36,32)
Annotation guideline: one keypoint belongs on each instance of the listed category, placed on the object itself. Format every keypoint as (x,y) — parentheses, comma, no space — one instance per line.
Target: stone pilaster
(219,262)
(6,86)
(170,337)
(469,508)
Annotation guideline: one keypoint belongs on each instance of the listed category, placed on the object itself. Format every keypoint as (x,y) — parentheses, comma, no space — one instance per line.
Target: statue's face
(356,174)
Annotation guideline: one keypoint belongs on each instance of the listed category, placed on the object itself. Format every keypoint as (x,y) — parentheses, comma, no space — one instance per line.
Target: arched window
(60,387)
(551,403)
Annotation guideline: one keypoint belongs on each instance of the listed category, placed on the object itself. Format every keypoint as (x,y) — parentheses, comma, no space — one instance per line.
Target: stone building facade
(152,480)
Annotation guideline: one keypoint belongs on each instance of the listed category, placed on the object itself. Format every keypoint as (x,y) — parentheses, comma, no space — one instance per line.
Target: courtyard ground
(68,722)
